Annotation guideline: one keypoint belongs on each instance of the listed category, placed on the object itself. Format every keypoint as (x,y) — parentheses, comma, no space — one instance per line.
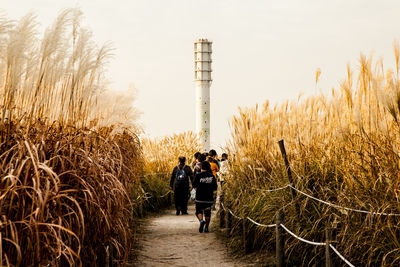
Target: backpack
(181,179)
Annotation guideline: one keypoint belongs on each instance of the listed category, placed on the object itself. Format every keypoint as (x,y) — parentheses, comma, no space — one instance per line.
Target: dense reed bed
(161,156)
(69,160)
(343,148)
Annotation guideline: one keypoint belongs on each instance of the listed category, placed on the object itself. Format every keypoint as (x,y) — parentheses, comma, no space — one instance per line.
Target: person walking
(214,166)
(197,167)
(196,159)
(214,169)
(205,185)
(180,183)
(213,154)
(223,172)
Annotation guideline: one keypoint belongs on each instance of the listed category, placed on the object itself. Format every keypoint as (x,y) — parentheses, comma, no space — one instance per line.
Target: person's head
(182,160)
(210,159)
(201,158)
(224,156)
(205,154)
(212,153)
(196,155)
(205,166)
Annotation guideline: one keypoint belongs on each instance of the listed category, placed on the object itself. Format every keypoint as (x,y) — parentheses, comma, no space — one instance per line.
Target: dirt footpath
(171,240)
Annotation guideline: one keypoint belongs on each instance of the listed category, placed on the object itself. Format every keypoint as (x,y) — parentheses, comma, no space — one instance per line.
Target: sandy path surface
(171,240)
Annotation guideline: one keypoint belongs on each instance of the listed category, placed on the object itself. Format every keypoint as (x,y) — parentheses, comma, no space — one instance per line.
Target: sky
(262,50)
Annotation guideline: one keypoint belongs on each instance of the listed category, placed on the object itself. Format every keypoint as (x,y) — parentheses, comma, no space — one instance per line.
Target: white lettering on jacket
(206,180)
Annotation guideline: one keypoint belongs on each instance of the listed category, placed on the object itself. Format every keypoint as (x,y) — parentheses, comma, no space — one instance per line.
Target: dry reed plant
(69,161)
(162,154)
(344,148)
(160,157)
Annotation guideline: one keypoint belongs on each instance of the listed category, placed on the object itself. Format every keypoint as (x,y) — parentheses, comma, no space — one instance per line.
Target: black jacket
(205,184)
(187,170)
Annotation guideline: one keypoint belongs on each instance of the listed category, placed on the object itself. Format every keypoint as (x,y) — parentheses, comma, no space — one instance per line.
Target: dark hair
(205,154)
(205,165)
(201,158)
(224,156)
(182,160)
(210,159)
(212,153)
(196,155)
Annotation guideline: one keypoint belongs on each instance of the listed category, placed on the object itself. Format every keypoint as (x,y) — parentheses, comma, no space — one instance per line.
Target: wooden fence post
(244,233)
(289,173)
(170,199)
(112,256)
(221,211)
(107,263)
(280,239)
(229,222)
(328,239)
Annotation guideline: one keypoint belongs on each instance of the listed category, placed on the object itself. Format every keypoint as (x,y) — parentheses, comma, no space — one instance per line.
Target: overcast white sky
(262,49)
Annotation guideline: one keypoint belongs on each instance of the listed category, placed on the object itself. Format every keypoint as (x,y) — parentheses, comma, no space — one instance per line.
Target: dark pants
(181,197)
(204,208)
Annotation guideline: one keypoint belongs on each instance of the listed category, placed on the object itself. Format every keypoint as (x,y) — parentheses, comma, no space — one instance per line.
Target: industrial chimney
(202,72)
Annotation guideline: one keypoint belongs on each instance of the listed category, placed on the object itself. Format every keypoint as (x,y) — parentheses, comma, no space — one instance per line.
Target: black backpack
(181,179)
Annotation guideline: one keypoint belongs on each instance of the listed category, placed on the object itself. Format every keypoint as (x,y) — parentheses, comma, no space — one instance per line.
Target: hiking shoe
(185,213)
(202,223)
(178,212)
(206,229)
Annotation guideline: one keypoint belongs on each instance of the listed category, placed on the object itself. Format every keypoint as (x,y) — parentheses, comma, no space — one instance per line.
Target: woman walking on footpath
(205,185)
(180,184)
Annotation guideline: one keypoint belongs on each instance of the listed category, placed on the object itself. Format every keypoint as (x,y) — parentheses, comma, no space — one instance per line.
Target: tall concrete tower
(202,77)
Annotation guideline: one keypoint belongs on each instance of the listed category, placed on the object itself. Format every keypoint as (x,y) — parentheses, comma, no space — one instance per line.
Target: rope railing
(326,202)
(237,217)
(338,206)
(344,208)
(302,239)
(291,233)
(273,190)
(147,196)
(316,199)
(166,194)
(260,224)
(340,255)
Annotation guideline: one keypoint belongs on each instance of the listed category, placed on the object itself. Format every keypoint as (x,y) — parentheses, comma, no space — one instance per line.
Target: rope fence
(226,209)
(302,239)
(318,200)
(340,255)
(291,233)
(290,185)
(338,206)
(274,189)
(326,202)
(260,224)
(148,195)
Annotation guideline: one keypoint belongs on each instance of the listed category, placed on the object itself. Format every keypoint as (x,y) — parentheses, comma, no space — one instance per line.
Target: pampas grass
(69,160)
(344,149)
(161,156)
